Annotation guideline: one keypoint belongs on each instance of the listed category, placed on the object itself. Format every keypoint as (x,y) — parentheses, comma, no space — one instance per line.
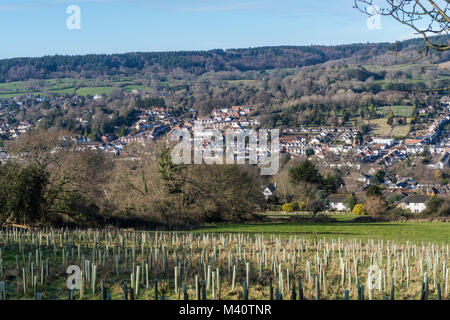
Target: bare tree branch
(425,17)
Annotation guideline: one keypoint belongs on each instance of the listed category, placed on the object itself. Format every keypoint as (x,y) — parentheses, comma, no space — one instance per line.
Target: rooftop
(417,198)
(336,198)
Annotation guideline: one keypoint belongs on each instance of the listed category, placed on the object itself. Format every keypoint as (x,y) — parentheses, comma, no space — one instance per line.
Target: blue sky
(38,27)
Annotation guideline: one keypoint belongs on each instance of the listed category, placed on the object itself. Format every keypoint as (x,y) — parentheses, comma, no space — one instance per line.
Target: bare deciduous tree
(425,17)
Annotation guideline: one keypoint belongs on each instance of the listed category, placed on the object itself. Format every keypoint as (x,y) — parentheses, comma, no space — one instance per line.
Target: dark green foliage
(350,202)
(22,192)
(434,203)
(321,195)
(316,206)
(399,213)
(394,198)
(426,156)
(437,206)
(192,61)
(170,172)
(147,103)
(306,171)
(378,177)
(78,208)
(373,191)
(309,152)
(209,192)
(332,183)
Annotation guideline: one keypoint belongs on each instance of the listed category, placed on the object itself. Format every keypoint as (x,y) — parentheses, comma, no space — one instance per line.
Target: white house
(386,141)
(270,190)
(416,202)
(336,202)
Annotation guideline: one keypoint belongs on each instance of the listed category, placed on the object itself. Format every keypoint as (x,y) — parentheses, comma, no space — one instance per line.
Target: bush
(316,206)
(444,210)
(303,205)
(287,207)
(398,213)
(375,206)
(350,202)
(393,198)
(437,207)
(373,191)
(359,210)
(273,199)
(434,204)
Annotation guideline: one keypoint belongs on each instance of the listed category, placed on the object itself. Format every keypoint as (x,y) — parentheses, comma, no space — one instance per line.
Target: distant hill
(195,62)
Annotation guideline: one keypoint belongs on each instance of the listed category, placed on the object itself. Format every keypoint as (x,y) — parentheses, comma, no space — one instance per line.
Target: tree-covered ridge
(195,62)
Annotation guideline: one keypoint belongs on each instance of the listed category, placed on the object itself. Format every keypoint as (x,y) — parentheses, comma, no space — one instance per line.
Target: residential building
(336,202)
(416,202)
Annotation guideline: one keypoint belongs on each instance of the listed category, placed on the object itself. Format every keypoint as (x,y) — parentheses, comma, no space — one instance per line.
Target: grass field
(399,111)
(400,231)
(245,81)
(67,86)
(384,130)
(94,90)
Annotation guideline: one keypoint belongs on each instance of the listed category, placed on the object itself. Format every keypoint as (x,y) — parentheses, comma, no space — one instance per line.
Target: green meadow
(417,232)
(82,87)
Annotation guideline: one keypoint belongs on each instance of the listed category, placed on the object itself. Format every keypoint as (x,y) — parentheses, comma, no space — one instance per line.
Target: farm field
(438,232)
(114,264)
(94,90)
(65,86)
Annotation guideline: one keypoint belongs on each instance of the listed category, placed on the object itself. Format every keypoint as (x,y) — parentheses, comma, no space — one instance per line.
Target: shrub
(316,206)
(397,213)
(303,205)
(273,199)
(375,206)
(350,202)
(359,210)
(287,207)
(394,197)
(434,203)
(444,210)
(373,191)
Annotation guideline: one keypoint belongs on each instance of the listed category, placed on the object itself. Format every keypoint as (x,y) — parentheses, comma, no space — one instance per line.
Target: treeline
(195,62)
(54,183)
(51,181)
